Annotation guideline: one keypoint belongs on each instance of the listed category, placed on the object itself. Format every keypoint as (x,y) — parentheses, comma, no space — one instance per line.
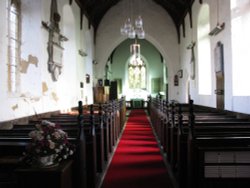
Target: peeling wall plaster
(14,107)
(30,98)
(44,87)
(24,65)
(54,96)
(36,91)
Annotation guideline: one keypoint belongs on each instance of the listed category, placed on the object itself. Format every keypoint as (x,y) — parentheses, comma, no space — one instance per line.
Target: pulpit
(101,94)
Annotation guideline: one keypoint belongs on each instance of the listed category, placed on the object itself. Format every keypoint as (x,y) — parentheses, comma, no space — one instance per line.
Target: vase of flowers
(47,160)
(49,145)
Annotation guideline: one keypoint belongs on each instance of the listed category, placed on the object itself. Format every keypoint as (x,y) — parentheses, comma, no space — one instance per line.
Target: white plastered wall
(232,103)
(38,92)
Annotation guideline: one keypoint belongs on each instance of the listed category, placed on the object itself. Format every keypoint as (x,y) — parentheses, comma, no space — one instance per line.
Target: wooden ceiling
(94,10)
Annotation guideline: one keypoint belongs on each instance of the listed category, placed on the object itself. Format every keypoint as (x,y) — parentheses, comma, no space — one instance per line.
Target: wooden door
(220,98)
(219,71)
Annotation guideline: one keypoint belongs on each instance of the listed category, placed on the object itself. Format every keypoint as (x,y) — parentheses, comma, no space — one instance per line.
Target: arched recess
(136,92)
(160,31)
(204,51)
(156,76)
(66,88)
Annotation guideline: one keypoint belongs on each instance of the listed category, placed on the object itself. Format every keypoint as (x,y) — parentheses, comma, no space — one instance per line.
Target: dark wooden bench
(94,129)
(214,160)
(229,135)
(172,128)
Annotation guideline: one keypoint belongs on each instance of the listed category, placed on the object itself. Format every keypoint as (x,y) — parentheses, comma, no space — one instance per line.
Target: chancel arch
(149,76)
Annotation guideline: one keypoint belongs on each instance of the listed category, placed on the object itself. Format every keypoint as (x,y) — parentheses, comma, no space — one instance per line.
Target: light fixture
(82,53)
(219,27)
(133,29)
(135,49)
(136,60)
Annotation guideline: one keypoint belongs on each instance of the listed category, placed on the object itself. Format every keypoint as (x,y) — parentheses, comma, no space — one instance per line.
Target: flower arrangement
(48,140)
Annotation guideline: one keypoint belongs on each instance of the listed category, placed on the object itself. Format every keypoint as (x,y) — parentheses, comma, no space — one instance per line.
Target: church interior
(124,93)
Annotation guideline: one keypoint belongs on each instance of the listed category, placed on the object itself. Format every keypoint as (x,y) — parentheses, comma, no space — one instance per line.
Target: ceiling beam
(94,10)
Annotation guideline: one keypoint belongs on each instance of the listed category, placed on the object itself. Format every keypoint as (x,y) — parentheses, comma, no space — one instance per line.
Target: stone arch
(159,28)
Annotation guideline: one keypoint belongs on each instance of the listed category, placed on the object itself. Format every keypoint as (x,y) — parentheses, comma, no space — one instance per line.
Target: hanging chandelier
(135,49)
(133,31)
(133,28)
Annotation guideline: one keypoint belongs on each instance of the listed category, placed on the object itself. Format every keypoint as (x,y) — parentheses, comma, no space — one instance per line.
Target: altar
(137,103)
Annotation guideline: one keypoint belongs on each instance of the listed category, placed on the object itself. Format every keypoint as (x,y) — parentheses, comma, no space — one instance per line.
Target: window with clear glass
(240,24)
(137,73)
(13,44)
(204,52)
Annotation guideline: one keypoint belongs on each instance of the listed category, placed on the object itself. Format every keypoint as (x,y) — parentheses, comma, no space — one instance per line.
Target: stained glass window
(137,73)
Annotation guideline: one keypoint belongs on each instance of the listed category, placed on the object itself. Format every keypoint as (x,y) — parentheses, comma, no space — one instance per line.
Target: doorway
(219,72)
(220,99)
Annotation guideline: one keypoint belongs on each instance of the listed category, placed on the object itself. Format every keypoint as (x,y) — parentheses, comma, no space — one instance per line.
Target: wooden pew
(208,134)
(175,125)
(9,163)
(14,141)
(204,157)
(11,152)
(91,130)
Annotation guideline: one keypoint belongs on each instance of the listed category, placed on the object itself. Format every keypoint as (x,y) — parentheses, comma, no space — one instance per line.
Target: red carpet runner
(137,161)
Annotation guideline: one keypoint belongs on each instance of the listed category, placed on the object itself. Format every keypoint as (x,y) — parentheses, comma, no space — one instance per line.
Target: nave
(137,162)
(55,53)
(177,145)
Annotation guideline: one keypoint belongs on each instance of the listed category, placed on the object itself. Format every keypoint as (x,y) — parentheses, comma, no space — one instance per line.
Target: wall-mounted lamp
(82,53)
(180,73)
(217,29)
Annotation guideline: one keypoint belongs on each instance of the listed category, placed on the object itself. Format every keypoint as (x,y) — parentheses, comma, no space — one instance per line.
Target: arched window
(204,52)
(240,21)
(13,44)
(137,73)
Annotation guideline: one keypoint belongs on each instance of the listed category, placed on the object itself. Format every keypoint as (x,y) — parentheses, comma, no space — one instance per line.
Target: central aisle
(137,162)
